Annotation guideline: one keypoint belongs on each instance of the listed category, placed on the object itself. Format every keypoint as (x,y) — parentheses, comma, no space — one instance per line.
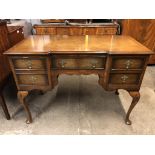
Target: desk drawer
(32,79)
(124,78)
(45,31)
(29,63)
(62,31)
(89,31)
(104,31)
(79,62)
(128,62)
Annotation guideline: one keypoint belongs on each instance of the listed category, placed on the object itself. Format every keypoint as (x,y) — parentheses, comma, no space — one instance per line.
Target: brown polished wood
(15,34)
(119,61)
(21,96)
(136,96)
(59,44)
(4,68)
(143,30)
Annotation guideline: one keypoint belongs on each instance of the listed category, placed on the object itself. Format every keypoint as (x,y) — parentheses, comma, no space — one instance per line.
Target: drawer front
(29,63)
(124,78)
(102,31)
(40,31)
(78,63)
(75,31)
(44,31)
(89,31)
(62,31)
(110,31)
(32,79)
(50,31)
(128,63)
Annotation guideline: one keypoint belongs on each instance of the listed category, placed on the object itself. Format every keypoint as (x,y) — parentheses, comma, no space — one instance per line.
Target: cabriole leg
(41,92)
(21,96)
(116,92)
(135,98)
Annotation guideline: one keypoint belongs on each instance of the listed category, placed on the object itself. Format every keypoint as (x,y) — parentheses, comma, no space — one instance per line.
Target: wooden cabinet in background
(15,34)
(48,30)
(75,31)
(142,30)
(52,20)
(62,31)
(4,69)
(52,29)
(9,36)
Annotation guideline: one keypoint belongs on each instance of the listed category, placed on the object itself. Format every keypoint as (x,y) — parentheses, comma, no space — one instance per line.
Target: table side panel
(30,71)
(127,71)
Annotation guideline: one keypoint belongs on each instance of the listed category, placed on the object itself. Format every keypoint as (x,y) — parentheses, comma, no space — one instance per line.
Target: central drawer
(78,62)
(89,31)
(104,31)
(62,31)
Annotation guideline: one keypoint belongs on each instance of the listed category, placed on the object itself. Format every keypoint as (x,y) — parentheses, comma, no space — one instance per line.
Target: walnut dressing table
(119,61)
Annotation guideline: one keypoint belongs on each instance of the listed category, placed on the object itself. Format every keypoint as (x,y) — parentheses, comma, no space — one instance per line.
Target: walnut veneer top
(112,44)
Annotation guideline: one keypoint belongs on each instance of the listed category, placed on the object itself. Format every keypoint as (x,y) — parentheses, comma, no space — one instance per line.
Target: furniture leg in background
(3,104)
(116,92)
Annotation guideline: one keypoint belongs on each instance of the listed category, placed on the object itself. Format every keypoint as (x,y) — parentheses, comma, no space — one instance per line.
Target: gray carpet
(78,105)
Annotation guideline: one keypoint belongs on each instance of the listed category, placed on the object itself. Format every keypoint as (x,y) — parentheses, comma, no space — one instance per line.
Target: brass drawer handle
(128,64)
(34,79)
(94,64)
(45,30)
(65,31)
(28,64)
(124,78)
(63,64)
(105,31)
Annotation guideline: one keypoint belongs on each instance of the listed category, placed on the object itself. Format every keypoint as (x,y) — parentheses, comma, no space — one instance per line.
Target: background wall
(33,21)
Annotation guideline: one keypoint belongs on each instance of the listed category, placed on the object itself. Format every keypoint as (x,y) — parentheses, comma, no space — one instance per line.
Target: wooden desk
(119,61)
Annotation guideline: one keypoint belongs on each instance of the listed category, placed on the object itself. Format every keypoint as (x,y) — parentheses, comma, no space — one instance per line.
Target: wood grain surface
(112,44)
(143,30)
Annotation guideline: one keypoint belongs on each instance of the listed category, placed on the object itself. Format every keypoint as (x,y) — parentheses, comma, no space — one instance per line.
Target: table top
(64,44)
